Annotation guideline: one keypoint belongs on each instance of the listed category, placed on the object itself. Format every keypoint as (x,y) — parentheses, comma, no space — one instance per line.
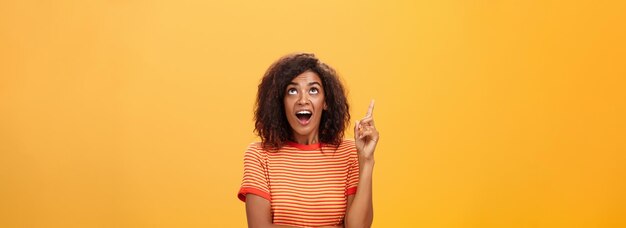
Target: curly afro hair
(269,114)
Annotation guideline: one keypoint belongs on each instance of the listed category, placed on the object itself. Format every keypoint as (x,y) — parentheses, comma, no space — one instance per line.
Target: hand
(366,136)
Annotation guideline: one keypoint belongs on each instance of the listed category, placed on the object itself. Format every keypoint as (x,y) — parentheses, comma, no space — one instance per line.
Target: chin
(304,131)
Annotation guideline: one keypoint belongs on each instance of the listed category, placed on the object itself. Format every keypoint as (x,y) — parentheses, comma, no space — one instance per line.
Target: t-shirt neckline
(314,146)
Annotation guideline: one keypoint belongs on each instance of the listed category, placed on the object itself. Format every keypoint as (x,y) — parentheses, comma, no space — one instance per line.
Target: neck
(306,139)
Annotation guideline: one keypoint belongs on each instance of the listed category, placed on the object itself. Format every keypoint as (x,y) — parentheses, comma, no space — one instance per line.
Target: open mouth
(304,116)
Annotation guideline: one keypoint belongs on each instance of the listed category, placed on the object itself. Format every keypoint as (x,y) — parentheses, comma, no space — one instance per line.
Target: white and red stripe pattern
(307,185)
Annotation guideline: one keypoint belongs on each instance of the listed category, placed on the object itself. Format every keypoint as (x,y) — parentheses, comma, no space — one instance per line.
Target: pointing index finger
(370,110)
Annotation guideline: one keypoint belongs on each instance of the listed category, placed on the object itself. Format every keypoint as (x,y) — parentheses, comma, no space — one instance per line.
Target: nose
(303,99)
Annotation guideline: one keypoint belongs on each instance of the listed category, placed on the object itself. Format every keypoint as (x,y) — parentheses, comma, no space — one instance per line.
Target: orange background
(136,113)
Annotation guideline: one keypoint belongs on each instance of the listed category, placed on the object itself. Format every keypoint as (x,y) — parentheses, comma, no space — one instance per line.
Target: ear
(325,106)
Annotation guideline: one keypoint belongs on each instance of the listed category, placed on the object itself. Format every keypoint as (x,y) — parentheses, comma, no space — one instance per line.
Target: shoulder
(255,146)
(348,148)
(348,144)
(255,149)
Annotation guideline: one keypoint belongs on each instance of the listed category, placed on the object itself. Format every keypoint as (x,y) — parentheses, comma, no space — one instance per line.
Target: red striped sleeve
(353,171)
(254,173)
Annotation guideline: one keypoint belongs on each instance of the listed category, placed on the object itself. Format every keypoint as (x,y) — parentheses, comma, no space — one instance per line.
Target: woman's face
(304,103)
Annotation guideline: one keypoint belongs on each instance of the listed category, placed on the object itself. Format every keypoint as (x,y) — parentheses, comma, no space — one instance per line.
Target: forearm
(361,212)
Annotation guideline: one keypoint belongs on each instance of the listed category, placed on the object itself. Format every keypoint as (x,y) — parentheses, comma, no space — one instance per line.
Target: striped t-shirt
(307,185)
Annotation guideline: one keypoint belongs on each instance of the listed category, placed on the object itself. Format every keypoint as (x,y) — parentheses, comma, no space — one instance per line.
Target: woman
(303,173)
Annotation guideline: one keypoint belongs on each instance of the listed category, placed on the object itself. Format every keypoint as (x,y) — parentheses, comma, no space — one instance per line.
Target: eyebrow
(310,83)
(313,83)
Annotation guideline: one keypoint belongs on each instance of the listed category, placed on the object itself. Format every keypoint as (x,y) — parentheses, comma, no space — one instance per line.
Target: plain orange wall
(136,113)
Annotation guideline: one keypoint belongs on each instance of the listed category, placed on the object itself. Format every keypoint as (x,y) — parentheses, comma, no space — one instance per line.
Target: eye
(314,91)
(292,91)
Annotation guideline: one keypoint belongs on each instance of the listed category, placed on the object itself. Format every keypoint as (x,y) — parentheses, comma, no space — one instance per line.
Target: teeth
(304,112)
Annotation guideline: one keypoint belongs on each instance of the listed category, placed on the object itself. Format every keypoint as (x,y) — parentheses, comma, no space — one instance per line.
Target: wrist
(366,161)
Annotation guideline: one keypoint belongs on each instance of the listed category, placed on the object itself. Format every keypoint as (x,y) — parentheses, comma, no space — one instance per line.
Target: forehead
(306,78)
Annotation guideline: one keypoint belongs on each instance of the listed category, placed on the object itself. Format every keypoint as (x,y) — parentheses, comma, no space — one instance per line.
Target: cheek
(319,104)
(286,102)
